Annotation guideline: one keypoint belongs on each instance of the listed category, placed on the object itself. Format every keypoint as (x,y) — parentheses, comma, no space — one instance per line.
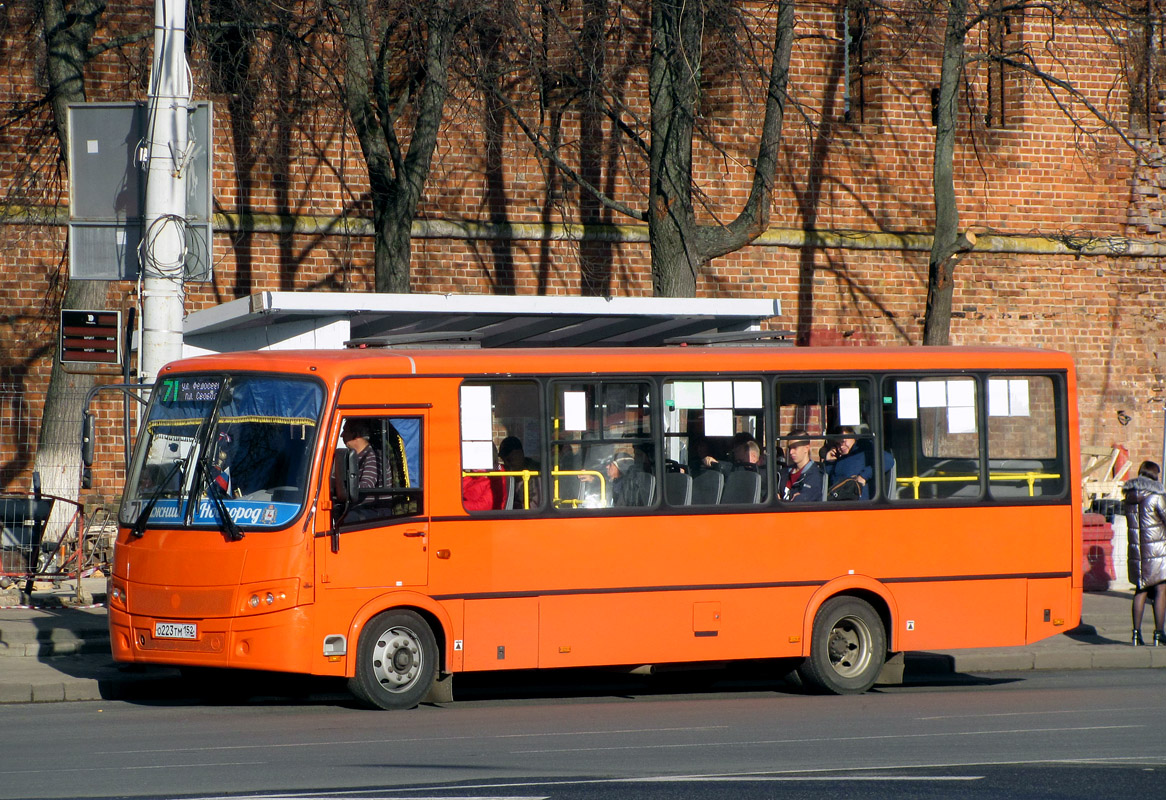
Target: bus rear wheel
(396,661)
(847,647)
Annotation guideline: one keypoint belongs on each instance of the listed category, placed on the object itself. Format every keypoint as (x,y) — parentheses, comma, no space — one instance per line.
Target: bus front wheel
(847,647)
(396,661)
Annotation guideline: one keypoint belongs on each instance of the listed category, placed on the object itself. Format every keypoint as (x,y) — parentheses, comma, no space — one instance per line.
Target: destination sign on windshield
(189,390)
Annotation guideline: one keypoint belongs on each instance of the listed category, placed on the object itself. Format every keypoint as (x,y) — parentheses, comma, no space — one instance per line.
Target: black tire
(848,647)
(396,661)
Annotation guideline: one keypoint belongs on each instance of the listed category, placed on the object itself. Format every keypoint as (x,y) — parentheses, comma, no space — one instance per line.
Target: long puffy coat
(1145,502)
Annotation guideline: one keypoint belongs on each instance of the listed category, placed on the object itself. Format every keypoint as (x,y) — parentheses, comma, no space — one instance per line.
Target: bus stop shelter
(309,320)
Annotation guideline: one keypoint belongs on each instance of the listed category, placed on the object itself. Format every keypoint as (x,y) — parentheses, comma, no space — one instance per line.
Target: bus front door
(380,537)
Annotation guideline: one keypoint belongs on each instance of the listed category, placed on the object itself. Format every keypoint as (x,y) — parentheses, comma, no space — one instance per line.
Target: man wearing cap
(802,481)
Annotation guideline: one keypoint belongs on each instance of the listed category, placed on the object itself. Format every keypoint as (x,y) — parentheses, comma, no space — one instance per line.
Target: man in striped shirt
(356,437)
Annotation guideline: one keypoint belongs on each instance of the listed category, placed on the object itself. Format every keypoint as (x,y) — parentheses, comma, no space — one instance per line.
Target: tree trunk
(673,83)
(68,30)
(681,246)
(945,245)
(397,180)
(392,247)
(58,452)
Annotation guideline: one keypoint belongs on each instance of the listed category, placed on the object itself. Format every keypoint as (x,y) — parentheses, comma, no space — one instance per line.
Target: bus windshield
(224,446)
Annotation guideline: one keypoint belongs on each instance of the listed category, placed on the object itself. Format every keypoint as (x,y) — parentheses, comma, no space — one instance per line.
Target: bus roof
(336,364)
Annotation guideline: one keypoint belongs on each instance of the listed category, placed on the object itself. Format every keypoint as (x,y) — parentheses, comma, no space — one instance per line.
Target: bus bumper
(281,641)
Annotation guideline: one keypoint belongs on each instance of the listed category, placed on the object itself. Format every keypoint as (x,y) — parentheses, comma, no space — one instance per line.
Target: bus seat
(742,486)
(646,483)
(678,488)
(707,487)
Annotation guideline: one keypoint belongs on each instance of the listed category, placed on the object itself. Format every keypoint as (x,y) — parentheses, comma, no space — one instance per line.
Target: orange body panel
(596,590)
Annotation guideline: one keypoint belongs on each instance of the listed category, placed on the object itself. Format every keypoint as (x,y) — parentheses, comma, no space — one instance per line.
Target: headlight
(117,595)
(269,596)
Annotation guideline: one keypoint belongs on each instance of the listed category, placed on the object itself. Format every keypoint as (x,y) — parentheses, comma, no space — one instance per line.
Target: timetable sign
(90,337)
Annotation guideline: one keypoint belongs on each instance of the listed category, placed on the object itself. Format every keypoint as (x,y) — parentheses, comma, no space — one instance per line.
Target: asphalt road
(1036,734)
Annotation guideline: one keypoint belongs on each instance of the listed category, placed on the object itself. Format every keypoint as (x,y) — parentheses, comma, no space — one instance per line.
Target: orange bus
(396,516)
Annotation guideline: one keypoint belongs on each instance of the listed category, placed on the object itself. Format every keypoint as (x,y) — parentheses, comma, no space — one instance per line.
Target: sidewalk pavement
(57,649)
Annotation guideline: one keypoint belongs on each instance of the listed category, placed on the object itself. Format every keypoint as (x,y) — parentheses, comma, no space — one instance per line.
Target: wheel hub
(849,646)
(397,660)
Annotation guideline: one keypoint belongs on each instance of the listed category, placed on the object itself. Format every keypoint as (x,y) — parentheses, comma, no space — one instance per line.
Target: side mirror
(345,476)
(87,445)
(87,439)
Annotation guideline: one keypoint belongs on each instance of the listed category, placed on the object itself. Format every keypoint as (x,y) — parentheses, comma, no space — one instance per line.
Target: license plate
(175,630)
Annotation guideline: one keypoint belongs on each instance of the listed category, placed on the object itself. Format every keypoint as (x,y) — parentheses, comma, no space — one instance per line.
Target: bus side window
(501,446)
(1025,456)
(715,426)
(388,452)
(602,451)
(931,425)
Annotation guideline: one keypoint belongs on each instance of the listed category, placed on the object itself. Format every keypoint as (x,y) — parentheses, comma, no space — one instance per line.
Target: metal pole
(1162,463)
(167,152)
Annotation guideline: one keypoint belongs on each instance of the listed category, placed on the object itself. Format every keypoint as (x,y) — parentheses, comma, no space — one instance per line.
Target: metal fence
(52,531)
(20,417)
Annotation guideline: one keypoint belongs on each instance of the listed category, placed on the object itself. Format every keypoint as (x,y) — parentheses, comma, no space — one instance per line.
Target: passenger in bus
(630,486)
(747,455)
(802,481)
(1145,502)
(700,456)
(848,458)
(625,486)
(513,459)
(744,453)
(355,435)
(483,492)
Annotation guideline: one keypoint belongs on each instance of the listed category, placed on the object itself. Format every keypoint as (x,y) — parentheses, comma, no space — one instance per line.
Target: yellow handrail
(527,474)
(1030,477)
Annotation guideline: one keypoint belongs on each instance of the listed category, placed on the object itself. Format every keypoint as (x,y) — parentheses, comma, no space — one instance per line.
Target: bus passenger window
(502,452)
(388,453)
(833,417)
(1025,455)
(602,454)
(931,426)
(714,442)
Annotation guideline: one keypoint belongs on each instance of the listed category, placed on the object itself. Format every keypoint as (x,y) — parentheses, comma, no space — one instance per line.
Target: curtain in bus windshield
(254,454)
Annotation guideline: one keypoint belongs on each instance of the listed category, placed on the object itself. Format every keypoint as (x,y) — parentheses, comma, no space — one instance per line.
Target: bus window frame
(1060,430)
(422,493)
(542,391)
(981,377)
(654,437)
(766,413)
(874,421)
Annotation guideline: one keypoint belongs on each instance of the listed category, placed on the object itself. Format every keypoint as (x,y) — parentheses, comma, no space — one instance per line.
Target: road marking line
(276,746)
(802,778)
(828,739)
(1037,713)
(55,770)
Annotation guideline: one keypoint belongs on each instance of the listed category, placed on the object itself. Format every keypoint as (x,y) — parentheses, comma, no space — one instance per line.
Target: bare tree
(68,32)
(681,242)
(947,243)
(681,246)
(395,74)
(1089,118)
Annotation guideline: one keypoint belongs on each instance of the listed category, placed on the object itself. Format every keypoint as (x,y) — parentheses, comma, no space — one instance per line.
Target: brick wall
(1030,171)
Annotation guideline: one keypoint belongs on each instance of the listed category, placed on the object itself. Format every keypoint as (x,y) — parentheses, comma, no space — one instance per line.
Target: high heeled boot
(1137,638)
(1159,639)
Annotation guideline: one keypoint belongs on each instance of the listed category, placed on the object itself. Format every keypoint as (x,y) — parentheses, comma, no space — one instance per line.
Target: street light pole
(163,252)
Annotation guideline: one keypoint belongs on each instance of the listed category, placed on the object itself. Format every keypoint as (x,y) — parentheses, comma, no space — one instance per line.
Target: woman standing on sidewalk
(1145,501)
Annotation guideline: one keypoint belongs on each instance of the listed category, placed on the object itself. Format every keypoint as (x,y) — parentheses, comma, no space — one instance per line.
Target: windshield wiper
(215,492)
(203,481)
(139,526)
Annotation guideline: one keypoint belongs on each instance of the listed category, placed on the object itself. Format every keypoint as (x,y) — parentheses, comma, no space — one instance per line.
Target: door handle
(414,534)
